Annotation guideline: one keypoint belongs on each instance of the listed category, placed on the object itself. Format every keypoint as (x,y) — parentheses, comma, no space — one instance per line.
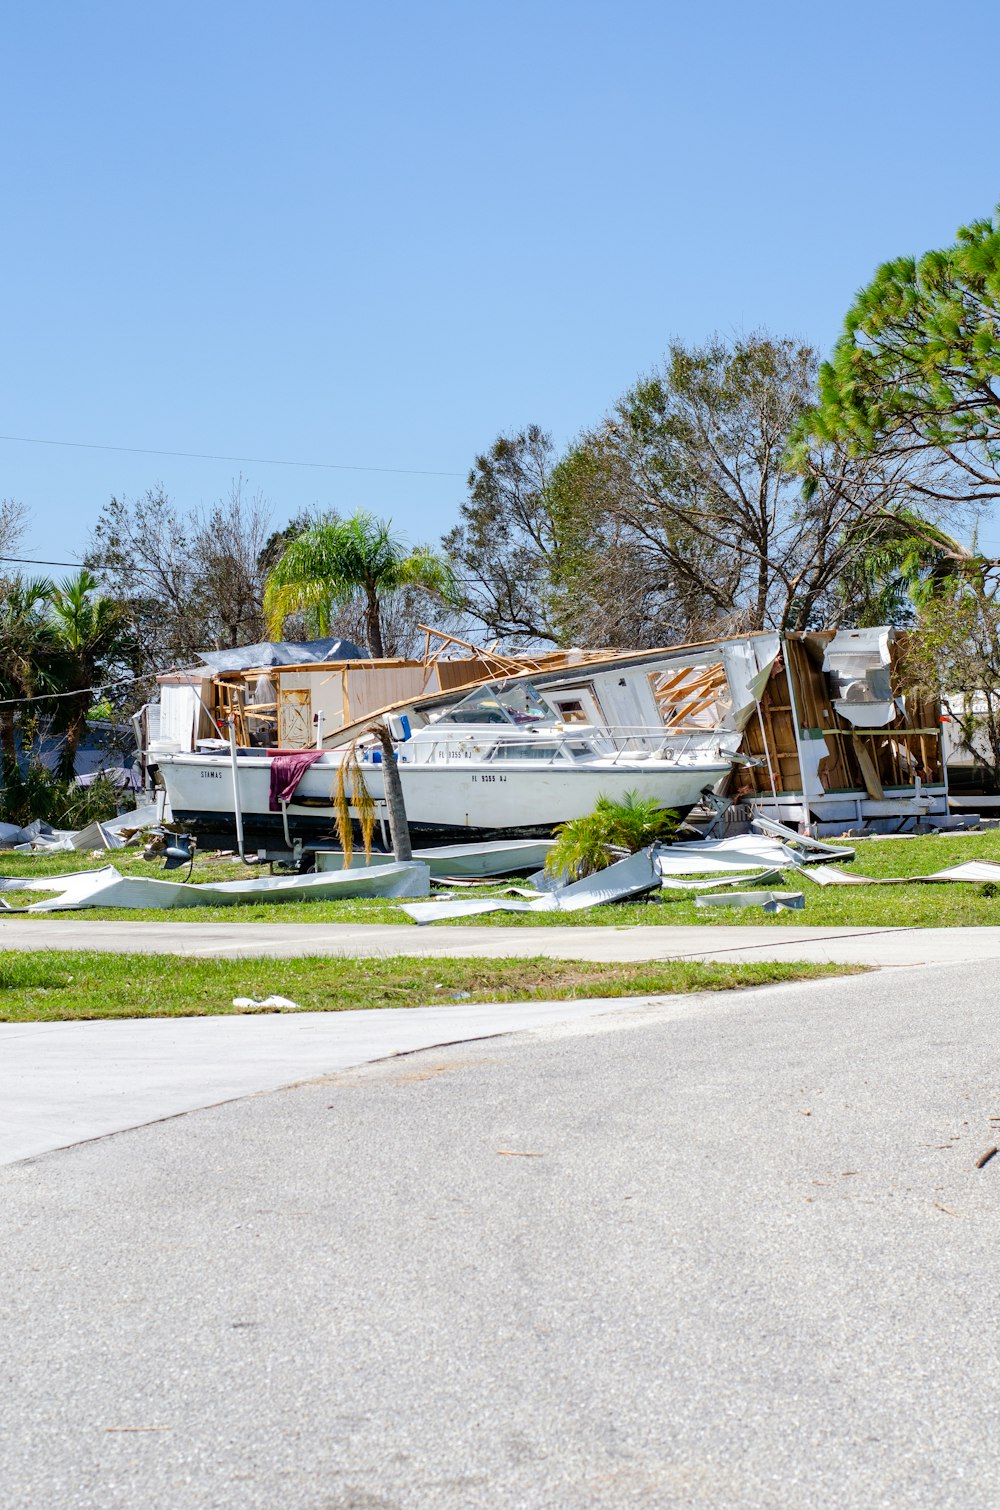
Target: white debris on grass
(767,901)
(968,870)
(268,1004)
(626,878)
(109,888)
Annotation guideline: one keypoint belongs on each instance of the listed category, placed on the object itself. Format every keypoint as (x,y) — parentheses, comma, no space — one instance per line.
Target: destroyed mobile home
(811,729)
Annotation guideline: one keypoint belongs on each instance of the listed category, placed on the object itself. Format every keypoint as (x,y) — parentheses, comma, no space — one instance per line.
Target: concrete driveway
(730,1252)
(66,1082)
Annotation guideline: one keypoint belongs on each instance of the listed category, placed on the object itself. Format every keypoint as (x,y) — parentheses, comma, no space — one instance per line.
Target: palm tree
(25,636)
(336,561)
(89,634)
(907,563)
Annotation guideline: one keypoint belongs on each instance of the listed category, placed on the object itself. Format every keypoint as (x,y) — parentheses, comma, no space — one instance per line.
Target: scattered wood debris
(138,1428)
(984,1158)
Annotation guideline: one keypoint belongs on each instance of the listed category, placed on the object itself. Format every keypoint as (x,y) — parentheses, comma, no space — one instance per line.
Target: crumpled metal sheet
(747,856)
(35,837)
(109,888)
(767,901)
(503,857)
(626,878)
(761,878)
(744,852)
(968,870)
(808,850)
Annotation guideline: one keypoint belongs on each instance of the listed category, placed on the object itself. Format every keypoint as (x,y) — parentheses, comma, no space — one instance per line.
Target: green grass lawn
(63,985)
(928,906)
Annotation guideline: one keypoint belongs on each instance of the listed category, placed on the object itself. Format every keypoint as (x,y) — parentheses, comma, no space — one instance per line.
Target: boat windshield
(520,704)
(534,749)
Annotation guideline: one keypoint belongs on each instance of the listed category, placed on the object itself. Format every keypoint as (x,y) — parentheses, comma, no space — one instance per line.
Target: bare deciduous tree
(191,580)
(679,516)
(13,522)
(507,542)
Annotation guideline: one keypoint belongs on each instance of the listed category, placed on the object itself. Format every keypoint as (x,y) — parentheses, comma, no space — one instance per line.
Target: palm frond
(424,568)
(342,813)
(334,560)
(360,798)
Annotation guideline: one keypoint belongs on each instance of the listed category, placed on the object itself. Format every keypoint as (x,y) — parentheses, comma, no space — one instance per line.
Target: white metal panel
(180,708)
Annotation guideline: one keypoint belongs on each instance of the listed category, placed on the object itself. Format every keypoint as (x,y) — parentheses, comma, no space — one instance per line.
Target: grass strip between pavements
(58,985)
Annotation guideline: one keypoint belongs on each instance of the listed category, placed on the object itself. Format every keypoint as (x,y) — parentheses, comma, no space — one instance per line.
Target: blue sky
(378,235)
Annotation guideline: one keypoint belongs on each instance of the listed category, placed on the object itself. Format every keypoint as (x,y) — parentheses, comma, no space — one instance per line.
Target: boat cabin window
(519,704)
(536,749)
(571,710)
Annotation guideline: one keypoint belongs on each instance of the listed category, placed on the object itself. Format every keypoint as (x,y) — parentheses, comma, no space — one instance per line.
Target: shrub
(612,831)
(37,793)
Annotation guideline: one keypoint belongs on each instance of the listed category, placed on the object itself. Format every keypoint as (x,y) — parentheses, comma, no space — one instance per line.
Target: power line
(30,561)
(34,561)
(258,461)
(47,697)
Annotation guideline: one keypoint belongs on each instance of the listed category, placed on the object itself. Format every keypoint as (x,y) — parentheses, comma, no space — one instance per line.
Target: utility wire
(258,461)
(48,697)
(33,561)
(30,561)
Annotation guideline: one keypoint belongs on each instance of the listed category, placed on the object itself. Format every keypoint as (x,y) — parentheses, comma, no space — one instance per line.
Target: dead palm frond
(360,798)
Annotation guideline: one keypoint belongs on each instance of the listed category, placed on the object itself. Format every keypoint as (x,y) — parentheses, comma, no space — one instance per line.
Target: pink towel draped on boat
(287,770)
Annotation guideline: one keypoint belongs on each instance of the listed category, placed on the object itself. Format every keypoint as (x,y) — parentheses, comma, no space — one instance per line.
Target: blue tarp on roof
(281,653)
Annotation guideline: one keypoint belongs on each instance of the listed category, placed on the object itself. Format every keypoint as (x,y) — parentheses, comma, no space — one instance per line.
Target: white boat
(502,761)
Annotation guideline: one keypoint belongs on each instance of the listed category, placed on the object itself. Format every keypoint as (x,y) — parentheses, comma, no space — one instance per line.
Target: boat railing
(623,742)
(655,742)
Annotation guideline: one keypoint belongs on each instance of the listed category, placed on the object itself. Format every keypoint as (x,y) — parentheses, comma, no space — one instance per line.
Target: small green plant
(37,792)
(96,803)
(612,831)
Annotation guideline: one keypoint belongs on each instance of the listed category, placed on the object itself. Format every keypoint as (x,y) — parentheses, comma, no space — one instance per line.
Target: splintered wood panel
(776,716)
(295,726)
(230,705)
(841,769)
(923,715)
(696,697)
(865,761)
(459,673)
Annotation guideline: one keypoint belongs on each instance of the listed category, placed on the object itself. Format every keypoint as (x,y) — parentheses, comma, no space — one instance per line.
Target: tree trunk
(8,747)
(75,727)
(398,828)
(373,618)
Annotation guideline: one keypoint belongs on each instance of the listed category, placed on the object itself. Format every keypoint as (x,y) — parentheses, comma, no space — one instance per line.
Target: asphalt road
(752,1263)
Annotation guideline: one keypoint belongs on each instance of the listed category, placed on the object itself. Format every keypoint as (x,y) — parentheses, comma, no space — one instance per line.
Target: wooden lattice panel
(231,707)
(697,697)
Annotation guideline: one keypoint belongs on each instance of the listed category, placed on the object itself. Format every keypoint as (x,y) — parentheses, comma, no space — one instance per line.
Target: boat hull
(446,801)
